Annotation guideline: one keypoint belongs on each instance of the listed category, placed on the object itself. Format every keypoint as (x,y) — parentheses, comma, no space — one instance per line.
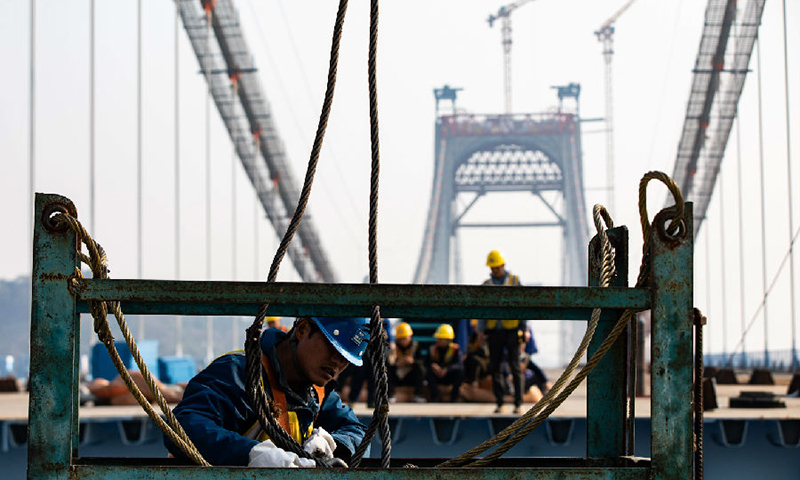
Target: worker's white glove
(320,444)
(267,454)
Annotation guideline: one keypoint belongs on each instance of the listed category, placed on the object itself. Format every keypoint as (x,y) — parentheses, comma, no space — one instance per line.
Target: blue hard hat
(349,335)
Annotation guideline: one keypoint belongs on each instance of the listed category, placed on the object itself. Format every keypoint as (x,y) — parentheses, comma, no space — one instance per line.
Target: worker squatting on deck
(297,369)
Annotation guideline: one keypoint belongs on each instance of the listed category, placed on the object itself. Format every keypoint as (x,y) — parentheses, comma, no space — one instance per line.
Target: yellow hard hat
(403,330)
(273,319)
(494,259)
(444,331)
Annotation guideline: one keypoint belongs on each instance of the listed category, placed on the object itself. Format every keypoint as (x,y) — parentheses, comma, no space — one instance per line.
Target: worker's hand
(320,444)
(267,454)
(335,463)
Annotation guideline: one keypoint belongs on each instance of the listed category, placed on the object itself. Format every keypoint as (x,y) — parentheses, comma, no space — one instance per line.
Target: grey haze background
(423,45)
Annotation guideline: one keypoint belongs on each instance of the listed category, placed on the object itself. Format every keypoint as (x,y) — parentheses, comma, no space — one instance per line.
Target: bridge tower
(483,154)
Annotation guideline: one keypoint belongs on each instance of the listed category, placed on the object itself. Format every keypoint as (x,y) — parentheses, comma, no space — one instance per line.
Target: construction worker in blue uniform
(298,372)
(504,338)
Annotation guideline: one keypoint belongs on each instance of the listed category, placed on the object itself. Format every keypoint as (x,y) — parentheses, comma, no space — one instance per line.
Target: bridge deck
(14,407)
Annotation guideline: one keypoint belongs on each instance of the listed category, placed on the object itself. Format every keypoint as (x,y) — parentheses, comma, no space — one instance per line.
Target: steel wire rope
(256,394)
(377,346)
(761,305)
(97,260)
(521,427)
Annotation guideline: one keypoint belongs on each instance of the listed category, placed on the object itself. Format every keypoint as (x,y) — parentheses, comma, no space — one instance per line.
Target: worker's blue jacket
(215,413)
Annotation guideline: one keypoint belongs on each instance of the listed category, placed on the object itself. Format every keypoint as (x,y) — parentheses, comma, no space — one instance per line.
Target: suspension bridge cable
(789,180)
(139,193)
(177,239)
(763,203)
(91,119)
(207,67)
(235,331)
(92,168)
(763,303)
(706,242)
(741,231)
(32,126)
(722,237)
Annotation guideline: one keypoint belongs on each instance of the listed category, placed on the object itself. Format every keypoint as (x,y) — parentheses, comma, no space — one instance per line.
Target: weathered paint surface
(54,340)
(605,421)
(52,410)
(671,366)
(418,301)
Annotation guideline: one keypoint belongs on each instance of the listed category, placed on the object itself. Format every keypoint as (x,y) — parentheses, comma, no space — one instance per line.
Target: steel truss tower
(505,153)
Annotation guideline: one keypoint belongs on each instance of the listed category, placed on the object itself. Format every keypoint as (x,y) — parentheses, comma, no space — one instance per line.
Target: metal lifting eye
(673,234)
(48,213)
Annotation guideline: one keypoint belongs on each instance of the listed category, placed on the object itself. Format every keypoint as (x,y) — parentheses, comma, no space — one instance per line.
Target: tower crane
(605,34)
(504,15)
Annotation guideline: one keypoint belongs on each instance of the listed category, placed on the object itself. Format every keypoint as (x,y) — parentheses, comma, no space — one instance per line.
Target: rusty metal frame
(53,411)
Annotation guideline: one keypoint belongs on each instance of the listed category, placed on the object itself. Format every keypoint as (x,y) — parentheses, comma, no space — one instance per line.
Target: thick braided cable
(607,271)
(97,261)
(377,353)
(255,390)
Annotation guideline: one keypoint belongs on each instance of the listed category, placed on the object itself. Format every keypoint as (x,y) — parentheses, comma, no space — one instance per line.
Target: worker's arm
(213,410)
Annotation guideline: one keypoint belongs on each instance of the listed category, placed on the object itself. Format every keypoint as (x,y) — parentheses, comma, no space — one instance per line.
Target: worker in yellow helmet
(503,338)
(445,366)
(275,322)
(404,363)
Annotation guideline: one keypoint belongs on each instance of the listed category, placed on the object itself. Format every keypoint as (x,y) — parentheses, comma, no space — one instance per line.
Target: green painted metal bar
(605,386)
(52,408)
(671,382)
(418,301)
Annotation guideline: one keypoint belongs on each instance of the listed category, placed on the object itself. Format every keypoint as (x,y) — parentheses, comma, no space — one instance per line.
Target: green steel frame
(53,415)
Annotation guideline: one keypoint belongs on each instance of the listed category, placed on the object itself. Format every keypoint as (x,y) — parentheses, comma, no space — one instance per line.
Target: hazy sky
(423,45)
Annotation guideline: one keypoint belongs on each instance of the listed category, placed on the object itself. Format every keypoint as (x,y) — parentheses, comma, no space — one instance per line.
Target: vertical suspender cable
(92,222)
(178,318)
(256,260)
(139,153)
(722,263)
(763,205)
(207,71)
(92,168)
(234,243)
(741,235)
(32,127)
(789,180)
(707,241)
(234,222)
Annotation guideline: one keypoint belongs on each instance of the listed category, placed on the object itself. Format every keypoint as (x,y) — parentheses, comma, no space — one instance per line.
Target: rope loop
(58,218)
(678,215)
